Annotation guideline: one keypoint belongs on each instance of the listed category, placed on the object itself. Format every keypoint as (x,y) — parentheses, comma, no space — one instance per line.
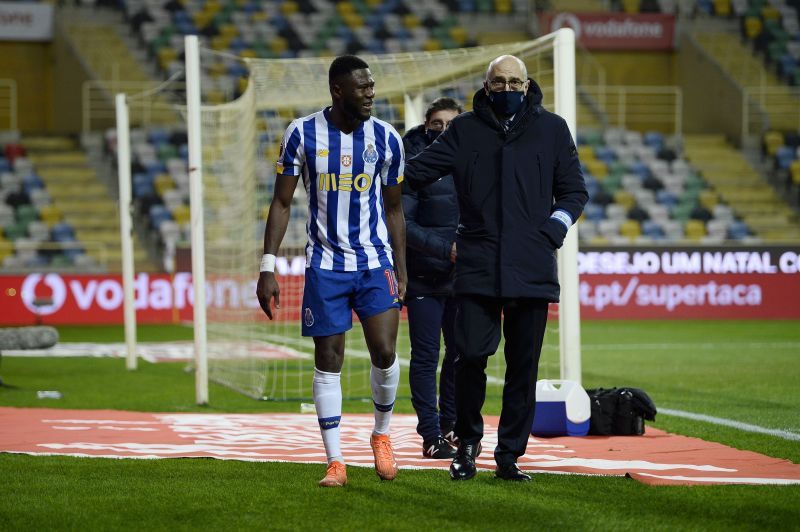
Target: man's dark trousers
(478,324)
(429,318)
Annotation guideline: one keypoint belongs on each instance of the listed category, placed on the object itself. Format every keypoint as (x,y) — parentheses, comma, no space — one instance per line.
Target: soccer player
(352,165)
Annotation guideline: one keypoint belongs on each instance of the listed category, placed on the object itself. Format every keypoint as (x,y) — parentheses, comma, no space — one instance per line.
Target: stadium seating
(642,190)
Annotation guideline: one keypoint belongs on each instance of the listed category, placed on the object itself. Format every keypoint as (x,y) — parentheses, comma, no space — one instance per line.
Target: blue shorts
(329,298)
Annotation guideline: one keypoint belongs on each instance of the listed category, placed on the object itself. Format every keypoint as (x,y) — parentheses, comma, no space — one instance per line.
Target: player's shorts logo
(370,154)
(308,317)
(347,160)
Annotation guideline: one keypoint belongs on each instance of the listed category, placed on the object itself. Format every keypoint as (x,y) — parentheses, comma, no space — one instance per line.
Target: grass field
(745,371)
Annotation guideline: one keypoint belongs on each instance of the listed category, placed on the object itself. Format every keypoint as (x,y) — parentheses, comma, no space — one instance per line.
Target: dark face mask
(431,135)
(506,103)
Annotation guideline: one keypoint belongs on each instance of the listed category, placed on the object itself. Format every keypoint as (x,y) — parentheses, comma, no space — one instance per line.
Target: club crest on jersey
(370,154)
(347,160)
(308,317)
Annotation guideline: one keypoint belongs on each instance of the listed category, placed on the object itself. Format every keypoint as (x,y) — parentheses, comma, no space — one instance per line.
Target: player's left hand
(402,283)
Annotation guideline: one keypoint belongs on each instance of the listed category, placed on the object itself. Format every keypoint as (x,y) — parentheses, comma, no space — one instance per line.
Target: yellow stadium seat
(215,97)
(278,45)
(770,13)
(242,84)
(353,20)
(586,152)
(432,45)
(411,21)
(345,8)
(6,248)
(772,141)
(624,198)
(752,27)
(166,55)
(215,70)
(212,7)
(599,169)
(50,215)
(162,183)
(181,214)
(259,16)
(201,19)
(722,8)
(708,199)
(264,212)
(502,6)
(795,171)
(695,229)
(289,8)
(630,6)
(459,35)
(630,229)
(220,42)
(229,30)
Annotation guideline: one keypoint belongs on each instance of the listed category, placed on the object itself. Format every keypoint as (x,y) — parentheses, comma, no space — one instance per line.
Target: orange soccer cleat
(335,476)
(385,465)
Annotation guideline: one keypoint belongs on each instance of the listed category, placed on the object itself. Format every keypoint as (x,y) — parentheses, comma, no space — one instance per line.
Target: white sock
(384,390)
(327,392)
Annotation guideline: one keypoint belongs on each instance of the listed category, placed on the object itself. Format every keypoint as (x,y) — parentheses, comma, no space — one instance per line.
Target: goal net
(240,140)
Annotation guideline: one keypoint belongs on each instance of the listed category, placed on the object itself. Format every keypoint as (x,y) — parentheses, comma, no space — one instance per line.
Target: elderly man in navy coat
(520,188)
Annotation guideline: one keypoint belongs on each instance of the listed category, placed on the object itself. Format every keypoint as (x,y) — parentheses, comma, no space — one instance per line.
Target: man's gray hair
(504,57)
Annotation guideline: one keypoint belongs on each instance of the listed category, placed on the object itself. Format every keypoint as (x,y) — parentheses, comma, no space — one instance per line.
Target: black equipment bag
(619,411)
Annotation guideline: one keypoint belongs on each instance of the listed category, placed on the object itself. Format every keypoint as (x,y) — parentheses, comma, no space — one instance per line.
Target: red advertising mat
(655,458)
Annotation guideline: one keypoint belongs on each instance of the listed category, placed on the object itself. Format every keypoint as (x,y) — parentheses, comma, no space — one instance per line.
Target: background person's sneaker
(438,448)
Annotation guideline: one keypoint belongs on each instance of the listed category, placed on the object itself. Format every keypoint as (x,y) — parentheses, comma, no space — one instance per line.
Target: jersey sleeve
(291,156)
(392,171)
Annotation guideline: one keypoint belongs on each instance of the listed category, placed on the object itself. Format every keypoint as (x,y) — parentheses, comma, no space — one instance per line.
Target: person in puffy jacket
(431,221)
(520,188)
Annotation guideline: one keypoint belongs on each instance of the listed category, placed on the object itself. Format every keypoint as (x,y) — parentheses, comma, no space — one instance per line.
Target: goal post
(236,156)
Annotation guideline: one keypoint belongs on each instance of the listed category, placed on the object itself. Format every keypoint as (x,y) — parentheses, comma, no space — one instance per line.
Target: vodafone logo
(57,289)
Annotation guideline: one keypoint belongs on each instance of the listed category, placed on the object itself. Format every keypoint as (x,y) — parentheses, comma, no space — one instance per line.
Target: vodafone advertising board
(615,31)
(615,283)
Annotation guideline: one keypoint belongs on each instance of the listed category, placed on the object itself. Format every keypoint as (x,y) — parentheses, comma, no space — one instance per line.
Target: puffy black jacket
(508,185)
(431,221)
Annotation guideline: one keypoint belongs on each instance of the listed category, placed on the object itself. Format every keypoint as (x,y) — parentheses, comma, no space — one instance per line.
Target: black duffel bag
(619,411)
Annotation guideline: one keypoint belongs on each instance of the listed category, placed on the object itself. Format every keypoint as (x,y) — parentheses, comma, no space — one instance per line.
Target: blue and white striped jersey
(346,221)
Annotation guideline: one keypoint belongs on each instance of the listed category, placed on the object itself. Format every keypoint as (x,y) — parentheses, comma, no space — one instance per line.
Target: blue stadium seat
(594,212)
(654,139)
(738,230)
(158,214)
(784,157)
(665,197)
(652,229)
(639,168)
(5,166)
(63,232)
(605,154)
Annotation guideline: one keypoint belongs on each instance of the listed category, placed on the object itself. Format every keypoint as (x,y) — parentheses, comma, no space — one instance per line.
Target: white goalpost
(232,150)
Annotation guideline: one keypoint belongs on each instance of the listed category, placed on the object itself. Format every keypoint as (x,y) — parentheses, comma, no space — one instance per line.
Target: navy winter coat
(431,221)
(508,184)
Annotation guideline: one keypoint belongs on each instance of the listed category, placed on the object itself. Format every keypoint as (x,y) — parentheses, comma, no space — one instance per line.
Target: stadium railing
(98,103)
(8,105)
(639,107)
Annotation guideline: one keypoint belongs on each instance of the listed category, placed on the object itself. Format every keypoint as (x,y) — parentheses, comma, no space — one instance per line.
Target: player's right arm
(277,221)
(289,168)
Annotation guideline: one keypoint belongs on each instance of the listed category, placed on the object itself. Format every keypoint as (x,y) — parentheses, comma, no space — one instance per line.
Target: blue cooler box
(562,409)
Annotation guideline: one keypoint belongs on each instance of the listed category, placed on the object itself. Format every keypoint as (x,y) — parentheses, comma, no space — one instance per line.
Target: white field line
(747,427)
(693,345)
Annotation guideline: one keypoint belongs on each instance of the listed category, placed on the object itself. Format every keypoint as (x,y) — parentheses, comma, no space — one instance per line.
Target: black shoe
(449,433)
(511,472)
(437,448)
(463,466)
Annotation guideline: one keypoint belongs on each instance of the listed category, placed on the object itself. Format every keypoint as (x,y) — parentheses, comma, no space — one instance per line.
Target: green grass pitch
(747,371)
